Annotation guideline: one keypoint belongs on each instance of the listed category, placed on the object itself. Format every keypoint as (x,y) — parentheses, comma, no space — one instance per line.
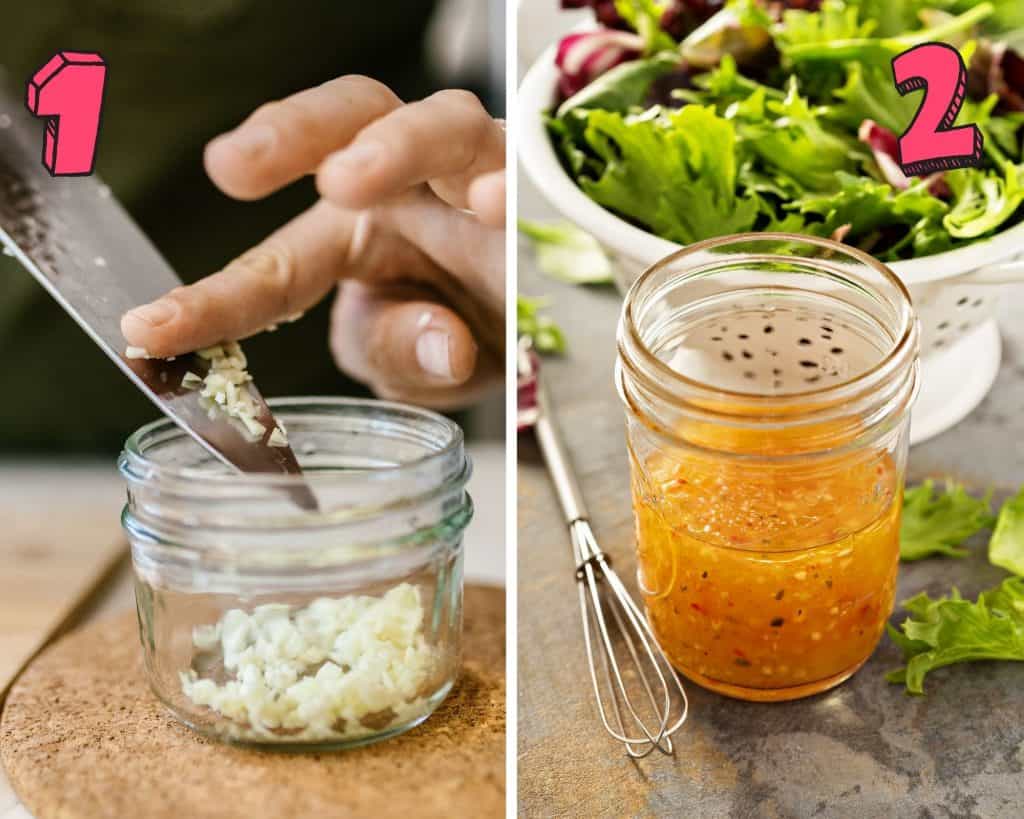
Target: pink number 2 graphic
(931,143)
(68,91)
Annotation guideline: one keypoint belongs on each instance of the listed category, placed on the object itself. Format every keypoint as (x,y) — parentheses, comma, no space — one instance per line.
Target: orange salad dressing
(766,579)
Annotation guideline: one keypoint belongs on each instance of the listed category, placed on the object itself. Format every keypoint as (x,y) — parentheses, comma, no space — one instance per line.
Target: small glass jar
(263,622)
(767,381)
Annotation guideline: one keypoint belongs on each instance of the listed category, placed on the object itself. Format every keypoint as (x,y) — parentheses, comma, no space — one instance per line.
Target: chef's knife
(81,245)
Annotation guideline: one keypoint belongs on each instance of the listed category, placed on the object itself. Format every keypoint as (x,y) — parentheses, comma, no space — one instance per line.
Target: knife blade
(80,244)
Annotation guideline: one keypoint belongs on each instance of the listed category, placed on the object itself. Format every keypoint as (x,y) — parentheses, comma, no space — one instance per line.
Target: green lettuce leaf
(1006,548)
(983,200)
(895,17)
(936,523)
(790,137)
(621,88)
(644,17)
(835,20)
(566,253)
(868,207)
(724,85)
(948,630)
(1006,16)
(672,171)
(547,337)
(869,91)
(1001,132)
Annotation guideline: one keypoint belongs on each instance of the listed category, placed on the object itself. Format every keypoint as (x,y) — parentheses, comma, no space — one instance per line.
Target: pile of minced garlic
(338,669)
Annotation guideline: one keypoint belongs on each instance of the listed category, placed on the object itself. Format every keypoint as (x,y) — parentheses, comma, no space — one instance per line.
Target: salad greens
(567,253)
(547,338)
(947,630)
(785,116)
(952,630)
(1006,548)
(937,523)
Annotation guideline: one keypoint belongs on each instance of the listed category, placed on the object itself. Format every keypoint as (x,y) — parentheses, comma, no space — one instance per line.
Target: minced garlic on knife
(223,390)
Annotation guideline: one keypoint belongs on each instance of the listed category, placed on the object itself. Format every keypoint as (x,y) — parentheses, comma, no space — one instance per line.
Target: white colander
(955,293)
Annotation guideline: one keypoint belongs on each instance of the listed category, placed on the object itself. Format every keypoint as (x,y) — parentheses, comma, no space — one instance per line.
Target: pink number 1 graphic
(68,91)
(931,143)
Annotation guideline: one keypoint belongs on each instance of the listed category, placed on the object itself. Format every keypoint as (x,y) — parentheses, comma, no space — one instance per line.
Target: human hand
(410,227)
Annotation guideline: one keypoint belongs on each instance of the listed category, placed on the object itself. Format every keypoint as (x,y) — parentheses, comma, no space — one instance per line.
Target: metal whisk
(632,660)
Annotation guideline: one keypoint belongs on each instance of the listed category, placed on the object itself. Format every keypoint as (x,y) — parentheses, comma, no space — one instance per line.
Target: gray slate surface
(863,750)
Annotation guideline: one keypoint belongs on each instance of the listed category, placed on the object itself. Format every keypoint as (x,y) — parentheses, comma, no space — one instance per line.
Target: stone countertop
(865,749)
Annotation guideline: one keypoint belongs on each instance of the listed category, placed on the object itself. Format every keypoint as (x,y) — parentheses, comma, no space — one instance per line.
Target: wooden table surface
(864,750)
(59,521)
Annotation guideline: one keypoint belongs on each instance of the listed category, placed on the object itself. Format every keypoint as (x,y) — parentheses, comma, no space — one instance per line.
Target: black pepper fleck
(778,621)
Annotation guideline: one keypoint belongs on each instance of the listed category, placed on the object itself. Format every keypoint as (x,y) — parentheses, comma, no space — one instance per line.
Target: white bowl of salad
(666,122)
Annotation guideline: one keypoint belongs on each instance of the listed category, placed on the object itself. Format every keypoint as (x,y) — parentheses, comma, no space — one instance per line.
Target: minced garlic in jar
(338,669)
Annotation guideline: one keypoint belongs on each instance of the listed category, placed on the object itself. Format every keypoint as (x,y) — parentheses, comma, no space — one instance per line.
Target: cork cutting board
(82,737)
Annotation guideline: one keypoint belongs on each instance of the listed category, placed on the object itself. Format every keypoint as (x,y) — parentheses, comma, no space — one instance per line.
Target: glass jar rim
(629,334)
(134,457)
(134,464)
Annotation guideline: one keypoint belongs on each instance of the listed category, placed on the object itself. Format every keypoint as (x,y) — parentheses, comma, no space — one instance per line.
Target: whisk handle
(556,456)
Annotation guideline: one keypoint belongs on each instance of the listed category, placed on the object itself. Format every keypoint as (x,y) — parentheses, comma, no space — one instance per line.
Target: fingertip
(135,331)
(234,160)
(445,357)
(486,197)
(150,326)
(353,177)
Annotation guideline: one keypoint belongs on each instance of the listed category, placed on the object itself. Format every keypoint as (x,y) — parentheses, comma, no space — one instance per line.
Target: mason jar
(269,623)
(767,381)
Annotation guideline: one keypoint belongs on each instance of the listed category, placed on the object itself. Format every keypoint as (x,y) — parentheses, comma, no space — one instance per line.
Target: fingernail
(253,140)
(155,314)
(432,354)
(357,157)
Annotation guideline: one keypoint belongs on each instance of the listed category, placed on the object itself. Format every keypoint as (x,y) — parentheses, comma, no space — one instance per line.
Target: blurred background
(180,73)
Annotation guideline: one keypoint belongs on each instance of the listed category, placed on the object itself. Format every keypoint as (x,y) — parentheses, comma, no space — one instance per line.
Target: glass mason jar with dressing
(767,382)
(265,622)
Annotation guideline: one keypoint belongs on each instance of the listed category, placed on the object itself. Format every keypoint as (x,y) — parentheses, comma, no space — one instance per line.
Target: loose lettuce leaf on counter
(567,253)
(936,523)
(1006,548)
(950,630)
(671,171)
(547,337)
